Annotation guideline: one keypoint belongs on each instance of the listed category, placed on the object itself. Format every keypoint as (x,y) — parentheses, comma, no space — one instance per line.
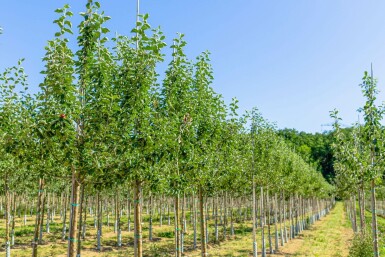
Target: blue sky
(294,60)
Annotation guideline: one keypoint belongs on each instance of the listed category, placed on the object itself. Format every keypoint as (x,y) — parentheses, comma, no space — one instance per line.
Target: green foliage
(362,245)
(156,251)
(166,234)
(315,149)
(358,150)
(103,116)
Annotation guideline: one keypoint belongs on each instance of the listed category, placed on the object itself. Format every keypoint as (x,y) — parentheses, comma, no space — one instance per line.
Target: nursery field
(238,242)
(118,153)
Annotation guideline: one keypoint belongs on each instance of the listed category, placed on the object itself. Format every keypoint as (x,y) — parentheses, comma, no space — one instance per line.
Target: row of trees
(359,158)
(104,118)
(315,149)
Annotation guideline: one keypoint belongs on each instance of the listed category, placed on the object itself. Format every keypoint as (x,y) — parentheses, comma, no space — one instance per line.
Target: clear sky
(294,60)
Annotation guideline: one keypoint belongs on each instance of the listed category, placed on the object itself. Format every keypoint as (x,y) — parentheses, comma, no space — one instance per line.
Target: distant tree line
(315,149)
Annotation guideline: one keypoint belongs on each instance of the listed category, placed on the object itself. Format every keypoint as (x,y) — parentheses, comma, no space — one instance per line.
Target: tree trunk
(215,210)
(74,216)
(225,217)
(42,218)
(262,214)
(118,214)
(150,220)
(7,213)
(129,216)
(203,225)
(137,220)
(354,214)
(176,220)
(361,210)
(37,221)
(374,219)
(85,220)
(284,217)
(275,221)
(161,211)
(255,249)
(268,207)
(64,232)
(79,236)
(98,221)
(182,225)
(13,219)
(194,222)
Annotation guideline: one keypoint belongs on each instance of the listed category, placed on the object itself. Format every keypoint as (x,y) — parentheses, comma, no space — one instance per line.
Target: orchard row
(359,164)
(106,120)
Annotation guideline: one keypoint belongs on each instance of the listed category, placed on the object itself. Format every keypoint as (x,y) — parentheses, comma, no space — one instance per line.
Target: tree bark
(79,236)
(176,220)
(37,221)
(262,214)
(138,251)
(7,213)
(203,225)
(74,216)
(255,249)
(374,219)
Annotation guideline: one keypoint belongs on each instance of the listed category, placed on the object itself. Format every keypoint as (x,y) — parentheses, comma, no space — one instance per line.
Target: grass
(381,229)
(329,237)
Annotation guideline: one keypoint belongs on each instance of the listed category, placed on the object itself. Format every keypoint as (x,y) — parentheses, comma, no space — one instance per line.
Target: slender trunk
(361,211)
(42,219)
(280,218)
(176,220)
(194,222)
(262,214)
(374,219)
(285,217)
(216,220)
(268,207)
(182,224)
(13,219)
(363,206)
(65,217)
(129,215)
(7,214)
(150,220)
(161,211)
(207,218)
(98,222)
(79,236)
(255,249)
(138,247)
(48,219)
(37,221)
(225,217)
(232,232)
(291,217)
(203,225)
(85,220)
(74,216)
(168,213)
(354,214)
(117,214)
(296,208)
(275,221)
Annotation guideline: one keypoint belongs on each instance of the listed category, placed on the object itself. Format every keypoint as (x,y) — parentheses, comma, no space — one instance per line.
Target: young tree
(136,79)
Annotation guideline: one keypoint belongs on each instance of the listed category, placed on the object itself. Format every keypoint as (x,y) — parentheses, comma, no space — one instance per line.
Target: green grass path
(331,236)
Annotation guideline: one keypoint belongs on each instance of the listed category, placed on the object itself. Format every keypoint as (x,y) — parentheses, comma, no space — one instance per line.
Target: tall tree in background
(359,156)
(373,138)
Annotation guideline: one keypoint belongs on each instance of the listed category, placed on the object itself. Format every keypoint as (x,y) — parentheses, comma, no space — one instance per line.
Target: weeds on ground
(362,245)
